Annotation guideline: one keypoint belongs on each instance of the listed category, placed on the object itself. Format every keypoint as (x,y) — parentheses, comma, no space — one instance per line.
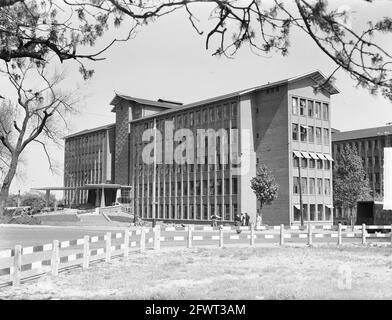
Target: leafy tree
(69,28)
(264,186)
(350,183)
(35,116)
(37,200)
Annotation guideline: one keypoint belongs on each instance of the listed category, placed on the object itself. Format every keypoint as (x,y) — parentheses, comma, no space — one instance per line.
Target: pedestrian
(247,218)
(242,219)
(258,220)
(214,222)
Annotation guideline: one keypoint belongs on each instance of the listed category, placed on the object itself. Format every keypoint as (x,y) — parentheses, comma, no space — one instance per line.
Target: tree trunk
(5,187)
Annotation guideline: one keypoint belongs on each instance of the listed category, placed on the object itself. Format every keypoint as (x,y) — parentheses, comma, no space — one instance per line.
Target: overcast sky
(168,60)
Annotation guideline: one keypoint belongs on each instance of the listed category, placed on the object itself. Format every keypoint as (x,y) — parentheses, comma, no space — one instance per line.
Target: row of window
(372,144)
(191,118)
(310,134)
(313,212)
(310,108)
(312,163)
(195,212)
(312,186)
(197,187)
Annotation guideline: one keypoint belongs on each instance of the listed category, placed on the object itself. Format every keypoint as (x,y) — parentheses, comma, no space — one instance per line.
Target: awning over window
(306,155)
(313,155)
(297,206)
(330,206)
(321,156)
(328,157)
(298,154)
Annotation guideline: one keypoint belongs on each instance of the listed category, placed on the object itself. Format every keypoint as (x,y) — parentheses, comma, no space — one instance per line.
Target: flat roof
(86,187)
(362,133)
(86,131)
(316,75)
(161,104)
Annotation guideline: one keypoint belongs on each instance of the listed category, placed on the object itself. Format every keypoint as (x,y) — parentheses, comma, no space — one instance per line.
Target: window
(227,212)
(226,111)
(318,135)
(212,187)
(198,188)
(304,185)
(219,113)
(212,114)
(219,187)
(311,134)
(295,105)
(295,161)
(198,117)
(227,186)
(317,112)
(319,186)
(295,131)
(327,213)
(234,110)
(234,186)
(191,120)
(312,212)
(303,133)
(205,115)
(302,107)
(205,212)
(312,185)
(326,136)
(304,163)
(327,165)
(312,163)
(327,187)
(297,214)
(205,187)
(320,212)
(296,185)
(310,109)
(319,164)
(198,212)
(325,111)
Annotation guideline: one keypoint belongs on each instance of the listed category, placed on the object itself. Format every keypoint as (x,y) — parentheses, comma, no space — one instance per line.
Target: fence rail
(23,263)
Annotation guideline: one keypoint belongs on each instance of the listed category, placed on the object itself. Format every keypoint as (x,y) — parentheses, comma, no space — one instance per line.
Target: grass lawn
(229,273)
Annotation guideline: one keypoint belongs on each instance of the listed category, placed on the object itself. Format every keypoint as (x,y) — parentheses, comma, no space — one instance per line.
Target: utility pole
(300,191)
(154,175)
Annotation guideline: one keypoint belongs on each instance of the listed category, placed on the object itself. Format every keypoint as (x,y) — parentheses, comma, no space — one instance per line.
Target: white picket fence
(24,263)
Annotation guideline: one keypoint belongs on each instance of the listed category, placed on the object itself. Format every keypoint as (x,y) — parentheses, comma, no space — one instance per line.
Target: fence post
(339,234)
(86,252)
(252,235)
(17,265)
(281,242)
(126,243)
(108,246)
(189,239)
(310,239)
(363,233)
(157,238)
(55,261)
(142,240)
(391,234)
(220,237)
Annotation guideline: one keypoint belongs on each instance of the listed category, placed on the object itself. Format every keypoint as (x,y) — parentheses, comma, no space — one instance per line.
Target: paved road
(32,236)
(11,236)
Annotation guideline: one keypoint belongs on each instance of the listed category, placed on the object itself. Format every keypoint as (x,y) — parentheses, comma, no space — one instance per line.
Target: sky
(168,59)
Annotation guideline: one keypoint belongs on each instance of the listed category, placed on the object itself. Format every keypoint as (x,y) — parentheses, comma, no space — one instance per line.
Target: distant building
(370,144)
(285,125)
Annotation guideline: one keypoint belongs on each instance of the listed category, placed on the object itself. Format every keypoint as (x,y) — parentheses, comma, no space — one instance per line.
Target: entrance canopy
(97,192)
